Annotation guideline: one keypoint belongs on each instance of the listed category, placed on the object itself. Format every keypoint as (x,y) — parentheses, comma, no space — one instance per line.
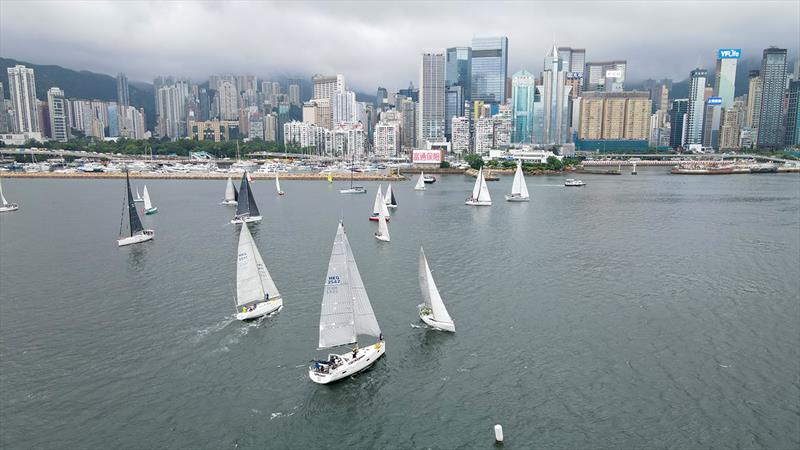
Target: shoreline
(203,176)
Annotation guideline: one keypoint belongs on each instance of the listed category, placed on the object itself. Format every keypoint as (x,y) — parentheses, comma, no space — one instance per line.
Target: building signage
(574,75)
(730,53)
(714,100)
(427,156)
(613,74)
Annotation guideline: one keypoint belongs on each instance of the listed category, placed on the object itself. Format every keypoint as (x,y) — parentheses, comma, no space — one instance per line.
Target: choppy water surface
(647,311)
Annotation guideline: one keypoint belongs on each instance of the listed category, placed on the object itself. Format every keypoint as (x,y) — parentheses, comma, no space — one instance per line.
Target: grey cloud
(378,43)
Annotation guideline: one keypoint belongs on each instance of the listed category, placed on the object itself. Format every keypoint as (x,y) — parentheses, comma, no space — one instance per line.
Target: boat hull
(229,203)
(381,237)
(248,219)
(419,188)
(364,359)
(376,218)
(9,207)
(146,235)
(138,200)
(517,198)
(431,322)
(478,203)
(353,191)
(391,206)
(151,211)
(262,309)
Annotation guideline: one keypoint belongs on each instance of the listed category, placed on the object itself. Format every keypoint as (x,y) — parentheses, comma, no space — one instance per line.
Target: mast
(130,224)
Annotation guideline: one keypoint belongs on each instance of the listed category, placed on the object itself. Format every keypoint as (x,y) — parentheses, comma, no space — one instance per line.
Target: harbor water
(648,311)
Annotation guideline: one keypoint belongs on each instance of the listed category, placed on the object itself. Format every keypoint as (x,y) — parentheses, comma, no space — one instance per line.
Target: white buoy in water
(498,433)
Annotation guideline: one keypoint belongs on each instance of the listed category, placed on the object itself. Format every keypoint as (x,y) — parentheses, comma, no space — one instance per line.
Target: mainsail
(480,192)
(337,317)
(247,204)
(376,206)
(389,195)
(420,181)
(3,197)
(130,224)
(147,203)
(230,191)
(252,278)
(383,228)
(366,323)
(429,291)
(518,187)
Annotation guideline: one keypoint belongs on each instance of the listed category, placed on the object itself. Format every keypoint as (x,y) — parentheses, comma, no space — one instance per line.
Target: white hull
(517,198)
(353,191)
(428,319)
(262,309)
(381,237)
(9,207)
(391,206)
(146,235)
(477,203)
(248,219)
(348,365)
(419,188)
(229,203)
(138,200)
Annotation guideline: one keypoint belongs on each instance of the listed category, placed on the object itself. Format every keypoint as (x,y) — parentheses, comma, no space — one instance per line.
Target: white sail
(138,197)
(518,187)
(337,318)
(277,183)
(147,203)
(376,207)
(229,193)
(420,182)
(388,197)
(476,190)
(365,321)
(383,226)
(429,291)
(483,194)
(384,209)
(5,202)
(253,281)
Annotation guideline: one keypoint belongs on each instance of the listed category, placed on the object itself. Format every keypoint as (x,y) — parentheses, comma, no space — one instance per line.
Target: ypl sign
(730,53)
(714,101)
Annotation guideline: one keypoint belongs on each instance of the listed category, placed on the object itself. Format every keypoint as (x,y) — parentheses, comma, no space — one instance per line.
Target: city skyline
(362,44)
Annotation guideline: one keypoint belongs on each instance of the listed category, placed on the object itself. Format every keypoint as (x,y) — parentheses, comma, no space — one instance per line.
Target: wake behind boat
(480,192)
(278,185)
(433,311)
(131,230)
(5,206)
(246,208)
(519,190)
(346,314)
(231,194)
(256,293)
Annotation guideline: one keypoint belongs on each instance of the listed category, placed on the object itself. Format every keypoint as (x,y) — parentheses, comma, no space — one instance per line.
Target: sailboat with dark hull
(131,230)
(246,209)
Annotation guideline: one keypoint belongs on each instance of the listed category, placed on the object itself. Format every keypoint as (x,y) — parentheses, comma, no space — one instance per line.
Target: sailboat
(389,198)
(231,194)
(379,206)
(138,198)
(131,230)
(420,186)
(148,205)
(480,193)
(256,294)
(345,314)
(353,189)
(246,208)
(383,229)
(432,311)
(519,190)
(5,206)
(278,185)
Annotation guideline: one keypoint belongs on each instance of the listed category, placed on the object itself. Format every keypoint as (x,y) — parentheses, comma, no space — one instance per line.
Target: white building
(343,107)
(306,135)
(484,134)
(347,140)
(59,112)
(326,86)
(387,138)
(460,135)
(431,98)
(22,89)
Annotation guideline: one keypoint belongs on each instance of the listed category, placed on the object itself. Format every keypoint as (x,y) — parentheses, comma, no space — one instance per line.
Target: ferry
(570,182)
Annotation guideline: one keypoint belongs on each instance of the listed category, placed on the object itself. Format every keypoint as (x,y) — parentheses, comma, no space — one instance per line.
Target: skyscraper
(753,100)
(381,99)
(22,88)
(57,105)
(606,76)
(123,98)
(489,69)
(326,86)
(773,78)
(573,61)
(725,75)
(554,95)
(677,118)
(343,107)
(294,94)
(793,115)
(431,98)
(523,93)
(454,107)
(458,78)
(696,107)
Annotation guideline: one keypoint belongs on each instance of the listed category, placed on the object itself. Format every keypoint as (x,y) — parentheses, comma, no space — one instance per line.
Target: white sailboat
(480,192)
(519,190)
(5,206)
(256,294)
(432,311)
(389,199)
(131,230)
(379,206)
(278,185)
(231,194)
(246,208)
(148,205)
(346,314)
(138,198)
(383,229)
(420,186)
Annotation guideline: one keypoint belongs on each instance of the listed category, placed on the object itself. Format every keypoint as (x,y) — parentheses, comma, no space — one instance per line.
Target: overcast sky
(378,43)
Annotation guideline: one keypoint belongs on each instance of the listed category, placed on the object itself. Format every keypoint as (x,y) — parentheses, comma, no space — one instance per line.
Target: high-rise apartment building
(753,99)
(325,86)
(431,98)
(732,120)
(22,89)
(381,99)
(59,112)
(407,108)
(606,76)
(123,96)
(461,138)
(696,108)
(4,118)
(773,78)
(387,138)
(489,69)
(343,107)
(523,94)
(793,115)
(677,120)
(615,115)
(294,94)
